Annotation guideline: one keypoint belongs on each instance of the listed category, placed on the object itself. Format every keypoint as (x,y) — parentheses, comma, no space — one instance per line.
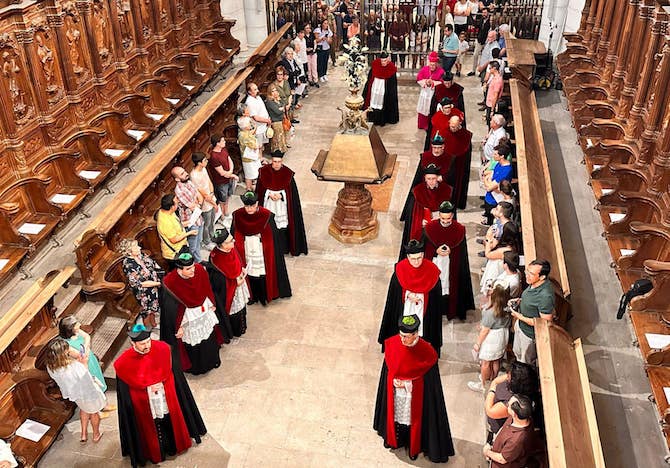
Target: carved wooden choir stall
(616,71)
(84,85)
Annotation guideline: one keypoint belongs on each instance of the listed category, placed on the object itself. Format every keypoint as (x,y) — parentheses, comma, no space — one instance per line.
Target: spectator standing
(502,29)
(373,33)
(484,28)
(77,385)
(491,343)
(354,29)
(222,170)
(450,47)
(310,51)
(142,274)
(463,47)
(461,14)
(171,231)
(494,90)
(512,443)
(324,40)
(277,109)
(537,302)
(259,114)
(418,41)
(205,187)
(190,211)
(79,343)
(399,32)
(496,133)
(487,53)
(492,179)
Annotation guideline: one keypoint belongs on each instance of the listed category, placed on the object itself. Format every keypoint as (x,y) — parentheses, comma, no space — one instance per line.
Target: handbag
(286,123)
(269,132)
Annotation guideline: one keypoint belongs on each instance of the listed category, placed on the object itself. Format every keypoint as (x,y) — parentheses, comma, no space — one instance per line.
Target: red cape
(190,293)
(452,237)
(230,266)
(456,143)
(268,178)
(418,280)
(440,123)
(258,223)
(378,71)
(443,162)
(139,372)
(407,363)
(425,202)
(453,92)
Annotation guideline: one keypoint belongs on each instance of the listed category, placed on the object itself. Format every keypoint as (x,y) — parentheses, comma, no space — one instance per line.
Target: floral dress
(137,272)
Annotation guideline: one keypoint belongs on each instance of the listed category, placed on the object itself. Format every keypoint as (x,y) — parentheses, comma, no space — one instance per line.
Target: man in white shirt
(258,113)
(496,132)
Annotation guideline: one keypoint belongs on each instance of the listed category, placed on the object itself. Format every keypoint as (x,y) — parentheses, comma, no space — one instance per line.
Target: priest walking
(157,413)
(410,410)
(446,247)
(414,288)
(278,193)
(381,92)
(258,242)
(188,319)
(229,281)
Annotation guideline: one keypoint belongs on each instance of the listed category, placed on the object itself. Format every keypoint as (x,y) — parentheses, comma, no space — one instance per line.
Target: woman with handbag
(277,113)
(143,275)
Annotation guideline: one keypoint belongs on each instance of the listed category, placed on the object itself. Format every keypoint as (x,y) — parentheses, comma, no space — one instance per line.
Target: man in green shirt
(537,302)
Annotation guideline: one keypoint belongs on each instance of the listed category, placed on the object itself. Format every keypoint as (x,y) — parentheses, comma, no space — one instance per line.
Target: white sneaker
(325,78)
(321,79)
(476,386)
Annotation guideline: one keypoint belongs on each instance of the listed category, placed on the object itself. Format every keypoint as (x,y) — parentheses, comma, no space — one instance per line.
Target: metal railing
(409,29)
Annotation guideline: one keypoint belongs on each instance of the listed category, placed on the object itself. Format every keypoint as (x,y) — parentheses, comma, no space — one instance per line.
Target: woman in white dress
(493,336)
(77,385)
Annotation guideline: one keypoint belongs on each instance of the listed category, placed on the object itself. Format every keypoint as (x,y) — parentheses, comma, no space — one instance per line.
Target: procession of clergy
(203,305)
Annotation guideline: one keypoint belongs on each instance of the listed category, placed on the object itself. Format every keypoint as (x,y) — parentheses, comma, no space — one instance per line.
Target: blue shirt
(450,43)
(500,173)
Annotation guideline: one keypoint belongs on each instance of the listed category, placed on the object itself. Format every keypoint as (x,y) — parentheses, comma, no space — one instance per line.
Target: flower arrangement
(355,63)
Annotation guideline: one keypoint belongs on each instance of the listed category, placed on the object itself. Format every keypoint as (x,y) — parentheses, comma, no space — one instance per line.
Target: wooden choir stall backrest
(572,432)
(131,213)
(541,235)
(84,84)
(26,390)
(266,56)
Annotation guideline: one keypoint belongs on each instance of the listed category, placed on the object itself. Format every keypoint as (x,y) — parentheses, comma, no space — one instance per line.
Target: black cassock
(436,442)
(432,316)
(389,112)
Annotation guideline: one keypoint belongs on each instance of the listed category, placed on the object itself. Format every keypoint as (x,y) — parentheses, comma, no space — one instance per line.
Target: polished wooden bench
(541,235)
(131,213)
(572,433)
(26,390)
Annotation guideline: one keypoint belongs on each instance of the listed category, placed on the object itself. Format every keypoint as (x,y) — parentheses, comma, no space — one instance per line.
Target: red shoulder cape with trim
(378,71)
(418,280)
(268,178)
(140,371)
(443,161)
(244,225)
(190,293)
(230,266)
(407,363)
(425,202)
(440,123)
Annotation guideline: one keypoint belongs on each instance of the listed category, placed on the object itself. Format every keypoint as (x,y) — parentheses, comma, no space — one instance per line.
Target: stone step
(89,314)
(110,375)
(106,339)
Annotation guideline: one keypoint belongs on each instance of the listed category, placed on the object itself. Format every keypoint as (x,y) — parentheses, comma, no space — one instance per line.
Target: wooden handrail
(108,217)
(572,432)
(23,311)
(530,152)
(266,46)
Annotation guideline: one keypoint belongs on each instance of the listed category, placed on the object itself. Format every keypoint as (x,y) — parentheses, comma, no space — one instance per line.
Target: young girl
(251,153)
(493,336)
(463,47)
(77,385)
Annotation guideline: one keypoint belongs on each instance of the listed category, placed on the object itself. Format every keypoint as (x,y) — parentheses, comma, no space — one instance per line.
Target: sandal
(83,440)
(95,441)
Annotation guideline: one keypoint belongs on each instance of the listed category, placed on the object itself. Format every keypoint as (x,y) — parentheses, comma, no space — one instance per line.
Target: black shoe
(295,121)
(414,457)
(481,103)
(482,197)
(483,205)
(482,108)
(316,84)
(458,73)
(482,254)
(471,73)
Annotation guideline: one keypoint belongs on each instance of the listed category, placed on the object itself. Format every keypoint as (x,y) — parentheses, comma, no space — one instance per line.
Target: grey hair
(287,50)
(241,108)
(125,245)
(499,119)
(503,28)
(244,123)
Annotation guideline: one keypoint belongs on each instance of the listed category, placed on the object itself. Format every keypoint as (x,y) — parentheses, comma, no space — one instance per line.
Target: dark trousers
(487,212)
(459,28)
(322,62)
(489,112)
(448,63)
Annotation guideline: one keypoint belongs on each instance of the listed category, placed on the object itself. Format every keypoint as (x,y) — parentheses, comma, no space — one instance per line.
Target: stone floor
(298,389)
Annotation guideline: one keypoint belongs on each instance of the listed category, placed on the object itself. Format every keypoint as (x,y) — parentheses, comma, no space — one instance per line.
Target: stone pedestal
(354,221)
